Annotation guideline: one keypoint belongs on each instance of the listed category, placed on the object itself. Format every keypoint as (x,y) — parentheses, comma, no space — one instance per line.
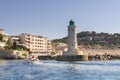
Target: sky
(50,18)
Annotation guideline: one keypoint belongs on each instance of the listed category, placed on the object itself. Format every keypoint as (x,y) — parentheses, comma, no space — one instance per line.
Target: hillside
(93,39)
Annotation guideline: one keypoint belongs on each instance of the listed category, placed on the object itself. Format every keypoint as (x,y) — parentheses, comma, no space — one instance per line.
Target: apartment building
(15,38)
(36,44)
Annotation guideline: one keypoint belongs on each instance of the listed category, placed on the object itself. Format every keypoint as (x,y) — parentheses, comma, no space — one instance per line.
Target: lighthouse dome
(71,23)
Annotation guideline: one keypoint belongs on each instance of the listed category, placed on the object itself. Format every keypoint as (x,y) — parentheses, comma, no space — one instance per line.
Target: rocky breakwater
(12,54)
(102,54)
(104,57)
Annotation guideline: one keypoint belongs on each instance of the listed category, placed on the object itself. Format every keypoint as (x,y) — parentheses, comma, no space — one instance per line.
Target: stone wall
(72,58)
(101,51)
(102,54)
(92,54)
(12,54)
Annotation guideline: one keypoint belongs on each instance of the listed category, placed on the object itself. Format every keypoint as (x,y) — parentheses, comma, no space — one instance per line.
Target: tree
(1,37)
(9,43)
(14,45)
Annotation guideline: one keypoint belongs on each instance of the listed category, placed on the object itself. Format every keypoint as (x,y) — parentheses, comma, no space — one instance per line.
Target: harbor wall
(101,51)
(12,54)
(102,54)
(88,54)
(72,58)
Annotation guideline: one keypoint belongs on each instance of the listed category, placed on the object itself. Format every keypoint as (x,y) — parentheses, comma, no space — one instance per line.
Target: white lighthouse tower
(72,39)
(73,54)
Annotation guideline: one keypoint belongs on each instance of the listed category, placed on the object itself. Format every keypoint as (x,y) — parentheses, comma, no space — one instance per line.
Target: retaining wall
(12,54)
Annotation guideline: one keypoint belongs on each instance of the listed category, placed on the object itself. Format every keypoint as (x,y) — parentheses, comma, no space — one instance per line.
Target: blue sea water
(59,70)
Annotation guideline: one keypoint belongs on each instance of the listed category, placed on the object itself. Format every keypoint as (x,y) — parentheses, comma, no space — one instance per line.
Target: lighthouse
(73,53)
(72,36)
(72,39)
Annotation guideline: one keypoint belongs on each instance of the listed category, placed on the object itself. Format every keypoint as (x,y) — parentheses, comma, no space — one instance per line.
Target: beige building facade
(5,38)
(36,44)
(2,32)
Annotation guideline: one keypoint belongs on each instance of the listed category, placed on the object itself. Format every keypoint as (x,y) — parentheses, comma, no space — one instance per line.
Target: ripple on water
(60,70)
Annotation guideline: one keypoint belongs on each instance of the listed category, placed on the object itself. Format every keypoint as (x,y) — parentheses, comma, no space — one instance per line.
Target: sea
(59,70)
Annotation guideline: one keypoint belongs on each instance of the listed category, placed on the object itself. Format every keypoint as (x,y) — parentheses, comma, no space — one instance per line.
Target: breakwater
(102,54)
(103,57)
(72,58)
(93,55)
(81,58)
(47,57)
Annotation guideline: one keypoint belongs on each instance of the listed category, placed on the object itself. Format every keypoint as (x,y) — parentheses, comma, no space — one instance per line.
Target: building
(59,48)
(2,32)
(2,44)
(16,39)
(36,44)
(5,38)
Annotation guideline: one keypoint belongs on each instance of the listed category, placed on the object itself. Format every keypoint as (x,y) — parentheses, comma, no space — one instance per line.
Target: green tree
(14,45)
(7,48)
(1,37)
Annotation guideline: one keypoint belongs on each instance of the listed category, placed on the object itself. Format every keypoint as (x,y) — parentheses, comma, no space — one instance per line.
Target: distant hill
(92,38)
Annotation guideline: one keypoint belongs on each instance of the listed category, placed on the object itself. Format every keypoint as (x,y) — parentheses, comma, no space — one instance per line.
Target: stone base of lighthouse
(73,52)
(72,56)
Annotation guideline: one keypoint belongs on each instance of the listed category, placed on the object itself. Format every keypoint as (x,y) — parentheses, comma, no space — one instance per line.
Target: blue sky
(50,18)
